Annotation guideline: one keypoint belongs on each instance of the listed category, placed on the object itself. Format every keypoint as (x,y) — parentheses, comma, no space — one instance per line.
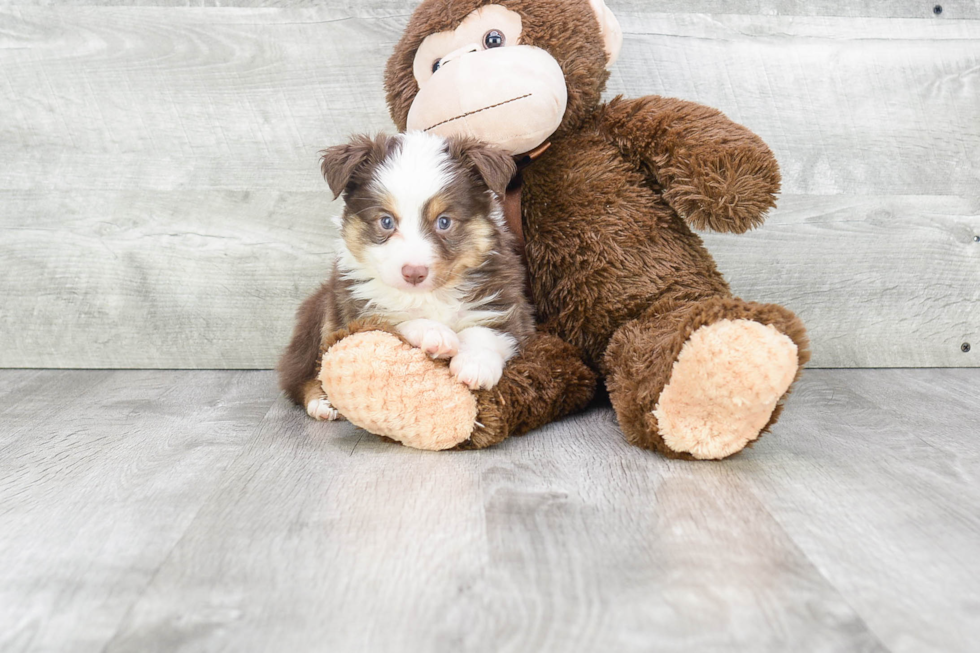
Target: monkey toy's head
(508,72)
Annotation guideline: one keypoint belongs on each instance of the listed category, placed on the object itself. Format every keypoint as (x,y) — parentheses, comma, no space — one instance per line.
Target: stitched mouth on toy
(470,113)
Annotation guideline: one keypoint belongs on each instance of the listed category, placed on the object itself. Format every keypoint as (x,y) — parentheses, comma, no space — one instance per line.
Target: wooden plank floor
(197,511)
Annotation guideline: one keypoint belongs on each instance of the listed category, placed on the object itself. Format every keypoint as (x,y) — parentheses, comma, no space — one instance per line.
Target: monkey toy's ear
(495,166)
(339,163)
(612,33)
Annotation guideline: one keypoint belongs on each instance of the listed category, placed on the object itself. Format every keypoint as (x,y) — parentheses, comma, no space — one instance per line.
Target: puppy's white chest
(398,306)
(437,312)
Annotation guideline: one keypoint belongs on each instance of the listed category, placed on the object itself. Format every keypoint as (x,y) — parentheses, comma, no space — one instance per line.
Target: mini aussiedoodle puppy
(423,245)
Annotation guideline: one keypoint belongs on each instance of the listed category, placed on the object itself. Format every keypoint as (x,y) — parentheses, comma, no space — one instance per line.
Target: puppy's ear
(495,166)
(340,162)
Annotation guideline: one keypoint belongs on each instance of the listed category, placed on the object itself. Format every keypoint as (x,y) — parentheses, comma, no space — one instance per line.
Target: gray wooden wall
(161,206)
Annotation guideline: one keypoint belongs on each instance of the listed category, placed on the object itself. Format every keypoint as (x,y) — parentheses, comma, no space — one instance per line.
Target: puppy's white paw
(434,338)
(478,369)
(321,410)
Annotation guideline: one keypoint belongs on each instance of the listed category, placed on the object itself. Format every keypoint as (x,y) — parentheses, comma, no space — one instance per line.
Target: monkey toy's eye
(387,222)
(436,65)
(493,39)
(443,223)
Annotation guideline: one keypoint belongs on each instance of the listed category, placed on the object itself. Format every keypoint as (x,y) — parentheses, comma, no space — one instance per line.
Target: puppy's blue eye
(436,65)
(387,222)
(443,223)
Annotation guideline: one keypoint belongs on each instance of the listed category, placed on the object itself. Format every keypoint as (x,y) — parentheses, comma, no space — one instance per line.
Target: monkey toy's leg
(545,382)
(382,384)
(703,378)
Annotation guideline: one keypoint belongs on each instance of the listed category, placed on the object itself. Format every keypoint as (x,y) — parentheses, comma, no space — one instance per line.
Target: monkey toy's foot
(388,387)
(724,387)
(723,370)
(382,384)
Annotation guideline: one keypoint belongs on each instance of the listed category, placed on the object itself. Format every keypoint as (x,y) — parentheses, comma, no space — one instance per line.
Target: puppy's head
(420,210)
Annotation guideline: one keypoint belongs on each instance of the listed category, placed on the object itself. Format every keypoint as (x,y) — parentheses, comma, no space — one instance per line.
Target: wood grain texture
(323,540)
(958,9)
(159,511)
(877,480)
(848,106)
(951,10)
(160,202)
(100,475)
(879,281)
(159,279)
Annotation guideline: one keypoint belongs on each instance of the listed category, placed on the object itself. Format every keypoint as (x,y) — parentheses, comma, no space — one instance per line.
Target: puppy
(423,245)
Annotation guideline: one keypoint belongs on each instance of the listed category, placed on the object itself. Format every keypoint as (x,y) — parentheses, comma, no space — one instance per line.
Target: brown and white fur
(424,247)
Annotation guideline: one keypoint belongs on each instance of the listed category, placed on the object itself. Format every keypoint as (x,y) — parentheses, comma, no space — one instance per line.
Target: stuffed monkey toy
(624,290)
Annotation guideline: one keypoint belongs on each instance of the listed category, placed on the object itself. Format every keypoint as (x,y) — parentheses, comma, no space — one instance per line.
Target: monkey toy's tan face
(495,73)
(479,80)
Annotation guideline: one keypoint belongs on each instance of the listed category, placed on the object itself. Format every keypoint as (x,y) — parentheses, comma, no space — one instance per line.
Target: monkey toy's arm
(713,172)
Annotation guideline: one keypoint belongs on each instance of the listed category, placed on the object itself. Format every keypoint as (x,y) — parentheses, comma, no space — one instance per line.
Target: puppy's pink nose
(415,274)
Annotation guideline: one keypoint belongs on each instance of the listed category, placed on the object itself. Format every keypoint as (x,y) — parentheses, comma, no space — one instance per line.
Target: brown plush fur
(635,379)
(547,380)
(615,269)
(546,372)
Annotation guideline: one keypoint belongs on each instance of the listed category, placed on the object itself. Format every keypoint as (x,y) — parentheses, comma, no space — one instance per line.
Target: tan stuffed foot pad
(385,386)
(724,386)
